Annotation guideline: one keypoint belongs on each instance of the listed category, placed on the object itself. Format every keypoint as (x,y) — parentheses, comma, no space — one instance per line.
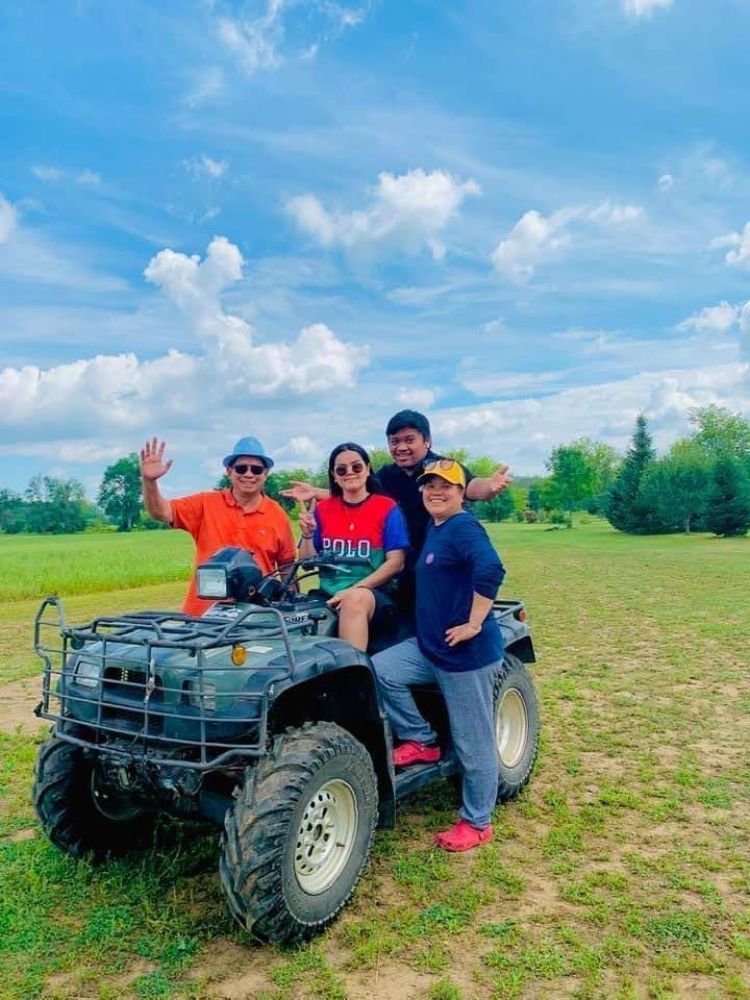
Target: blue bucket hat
(249,446)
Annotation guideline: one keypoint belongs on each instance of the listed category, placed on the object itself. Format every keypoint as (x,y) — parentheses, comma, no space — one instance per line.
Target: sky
(291,218)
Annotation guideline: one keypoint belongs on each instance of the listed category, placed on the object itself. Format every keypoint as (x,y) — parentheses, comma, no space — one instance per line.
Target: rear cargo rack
(112,684)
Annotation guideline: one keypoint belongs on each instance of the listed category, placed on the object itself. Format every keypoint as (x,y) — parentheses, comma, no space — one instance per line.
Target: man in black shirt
(410,444)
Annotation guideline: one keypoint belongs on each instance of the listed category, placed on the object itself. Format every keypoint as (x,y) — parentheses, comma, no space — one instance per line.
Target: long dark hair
(372,485)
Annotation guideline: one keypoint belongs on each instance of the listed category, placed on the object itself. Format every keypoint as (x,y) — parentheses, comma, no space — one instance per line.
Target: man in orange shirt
(241,515)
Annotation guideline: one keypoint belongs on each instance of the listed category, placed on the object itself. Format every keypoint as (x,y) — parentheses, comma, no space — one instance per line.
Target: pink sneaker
(463,837)
(412,752)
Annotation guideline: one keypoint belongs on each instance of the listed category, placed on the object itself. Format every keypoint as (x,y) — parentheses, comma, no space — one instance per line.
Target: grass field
(623,871)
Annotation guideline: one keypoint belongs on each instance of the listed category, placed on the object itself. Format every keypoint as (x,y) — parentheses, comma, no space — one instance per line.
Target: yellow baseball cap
(448,469)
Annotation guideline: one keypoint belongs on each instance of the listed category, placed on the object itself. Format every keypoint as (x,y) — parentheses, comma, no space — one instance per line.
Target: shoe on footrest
(412,752)
(463,837)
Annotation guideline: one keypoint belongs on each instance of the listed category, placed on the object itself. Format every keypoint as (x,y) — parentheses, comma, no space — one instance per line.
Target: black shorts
(383,617)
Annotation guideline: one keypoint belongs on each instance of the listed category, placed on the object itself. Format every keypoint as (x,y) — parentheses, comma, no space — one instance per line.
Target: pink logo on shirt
(429,558)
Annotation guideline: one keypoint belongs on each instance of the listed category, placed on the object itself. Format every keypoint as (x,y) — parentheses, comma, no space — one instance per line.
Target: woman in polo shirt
(364,533)
(458,645)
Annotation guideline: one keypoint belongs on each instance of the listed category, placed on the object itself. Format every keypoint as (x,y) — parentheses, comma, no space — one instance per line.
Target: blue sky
(291,218)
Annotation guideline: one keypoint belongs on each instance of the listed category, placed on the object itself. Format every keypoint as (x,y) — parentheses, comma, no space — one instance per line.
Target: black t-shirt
(404,489)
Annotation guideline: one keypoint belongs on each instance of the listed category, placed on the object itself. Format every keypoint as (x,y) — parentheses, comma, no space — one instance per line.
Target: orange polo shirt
(216,520)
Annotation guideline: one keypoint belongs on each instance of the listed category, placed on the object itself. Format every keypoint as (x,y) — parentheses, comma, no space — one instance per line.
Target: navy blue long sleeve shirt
(457,560)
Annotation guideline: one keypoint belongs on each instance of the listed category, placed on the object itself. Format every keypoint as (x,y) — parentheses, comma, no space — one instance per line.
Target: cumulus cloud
(408,211)
(524,430)
(536,236)
(739,254)
(713,319)
(205,166)
(411,397)
(121,392)
(643,8)
(8,219)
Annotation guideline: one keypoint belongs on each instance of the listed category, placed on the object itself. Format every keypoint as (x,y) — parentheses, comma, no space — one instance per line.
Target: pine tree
(623,509)
(729,500)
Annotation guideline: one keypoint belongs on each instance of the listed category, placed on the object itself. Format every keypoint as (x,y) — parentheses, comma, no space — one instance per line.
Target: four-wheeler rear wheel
(299,833)
(79,813)
(516,726)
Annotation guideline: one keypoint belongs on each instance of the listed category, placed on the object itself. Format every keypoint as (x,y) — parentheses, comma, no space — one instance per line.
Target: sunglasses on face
(242,467)
(341,470)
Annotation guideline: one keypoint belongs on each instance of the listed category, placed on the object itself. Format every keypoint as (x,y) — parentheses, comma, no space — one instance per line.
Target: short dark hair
(409,418)
(372,484)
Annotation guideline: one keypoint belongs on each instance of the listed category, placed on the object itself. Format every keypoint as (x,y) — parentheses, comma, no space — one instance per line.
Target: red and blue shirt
(357,534)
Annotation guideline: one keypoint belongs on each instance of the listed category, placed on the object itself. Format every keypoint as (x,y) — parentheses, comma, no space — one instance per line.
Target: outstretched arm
(489,487)
(304,492)
(153,467)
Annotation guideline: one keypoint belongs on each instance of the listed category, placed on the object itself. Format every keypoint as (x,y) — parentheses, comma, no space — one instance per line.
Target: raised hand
(153,465)
(500,479)
(307,520)
(300,491)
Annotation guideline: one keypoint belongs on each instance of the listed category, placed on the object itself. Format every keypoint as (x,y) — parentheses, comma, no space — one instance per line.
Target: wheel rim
(112,804)
(325,837)
(511,727)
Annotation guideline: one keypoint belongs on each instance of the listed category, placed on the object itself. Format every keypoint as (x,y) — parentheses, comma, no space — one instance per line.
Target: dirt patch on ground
(17,703)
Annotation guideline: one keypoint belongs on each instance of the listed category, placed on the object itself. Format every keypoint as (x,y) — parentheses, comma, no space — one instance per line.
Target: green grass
(622,872)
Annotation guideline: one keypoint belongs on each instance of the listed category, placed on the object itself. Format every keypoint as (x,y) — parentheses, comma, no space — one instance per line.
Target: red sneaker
(463,837)
(412,752)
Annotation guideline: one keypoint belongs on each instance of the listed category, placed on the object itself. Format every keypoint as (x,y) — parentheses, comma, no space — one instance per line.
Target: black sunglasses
(241,468)
(341,470)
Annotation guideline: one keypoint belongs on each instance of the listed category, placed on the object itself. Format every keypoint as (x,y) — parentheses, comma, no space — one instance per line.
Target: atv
(256,718)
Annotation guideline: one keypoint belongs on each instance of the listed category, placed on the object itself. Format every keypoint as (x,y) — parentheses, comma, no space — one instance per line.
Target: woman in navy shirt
(458,645)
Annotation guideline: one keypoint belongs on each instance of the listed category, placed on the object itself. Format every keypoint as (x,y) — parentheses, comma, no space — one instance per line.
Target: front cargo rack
(161,686)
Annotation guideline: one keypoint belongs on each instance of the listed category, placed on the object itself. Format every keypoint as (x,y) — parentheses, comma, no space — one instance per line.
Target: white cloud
(300,449)
(524,430)
(408,212)
(121,393)
(494,327)
(257,42)
(536,236)
(643,8)
(739,255)
(89,177)
(665,182)
(208,86)
(46,174)
(421,399)
(531,238)
(205,166)
(710,319)
(8,219)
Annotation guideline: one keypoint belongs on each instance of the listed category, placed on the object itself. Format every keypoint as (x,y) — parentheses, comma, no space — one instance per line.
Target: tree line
(701,484)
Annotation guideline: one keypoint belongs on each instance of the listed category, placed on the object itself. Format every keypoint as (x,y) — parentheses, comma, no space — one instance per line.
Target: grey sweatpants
(468,697)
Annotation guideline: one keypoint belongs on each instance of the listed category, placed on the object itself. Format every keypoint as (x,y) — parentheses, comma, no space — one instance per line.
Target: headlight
(211,582)
(87,673)
(209,696)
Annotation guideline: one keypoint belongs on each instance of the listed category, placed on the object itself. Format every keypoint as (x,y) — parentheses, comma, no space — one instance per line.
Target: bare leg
(355,611)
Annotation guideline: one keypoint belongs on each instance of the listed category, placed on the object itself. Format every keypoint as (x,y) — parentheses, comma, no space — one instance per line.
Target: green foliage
(534,500)
(499,508)
(674,490)
(12,512)
(120,492)
(581,474)
(722,433)
(728,507)
(56,506)
(623,508)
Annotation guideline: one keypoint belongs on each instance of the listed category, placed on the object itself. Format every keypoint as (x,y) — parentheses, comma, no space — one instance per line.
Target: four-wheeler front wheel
(516,727)
(299,834)
(81,814)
